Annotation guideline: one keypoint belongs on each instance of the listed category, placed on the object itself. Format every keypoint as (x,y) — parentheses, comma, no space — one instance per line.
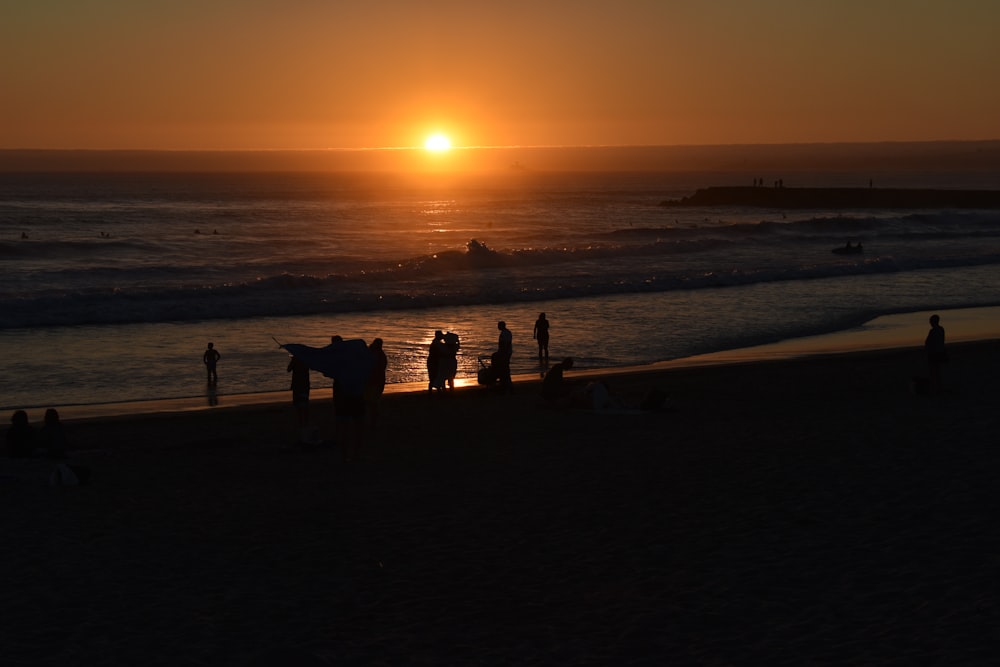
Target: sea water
(112,284)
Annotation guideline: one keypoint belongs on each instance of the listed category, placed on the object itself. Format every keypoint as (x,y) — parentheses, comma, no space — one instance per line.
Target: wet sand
(798,511)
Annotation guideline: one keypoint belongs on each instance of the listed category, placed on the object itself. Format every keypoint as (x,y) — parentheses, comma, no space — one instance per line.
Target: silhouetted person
(501,360)
(333,387)
(300,389)
(541,334)
(350,407)
(211,358)
(20,436)
(448,361)
(52,435)
(554,386)
(435,355)
(937,356)
(376,383)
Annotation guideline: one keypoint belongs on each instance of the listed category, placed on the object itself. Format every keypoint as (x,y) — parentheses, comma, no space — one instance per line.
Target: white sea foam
(121,280)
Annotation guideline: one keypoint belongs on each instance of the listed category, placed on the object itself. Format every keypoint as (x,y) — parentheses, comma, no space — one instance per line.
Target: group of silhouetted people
(356,393)
(48,443)
(24,442)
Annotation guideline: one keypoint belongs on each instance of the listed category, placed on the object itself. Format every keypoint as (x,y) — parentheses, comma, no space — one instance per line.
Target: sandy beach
(803,511)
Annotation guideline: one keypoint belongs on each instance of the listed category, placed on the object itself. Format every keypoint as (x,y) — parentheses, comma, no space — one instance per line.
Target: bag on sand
(67,475)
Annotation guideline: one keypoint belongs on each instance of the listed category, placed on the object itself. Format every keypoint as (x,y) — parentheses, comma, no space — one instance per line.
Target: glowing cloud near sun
(437,143)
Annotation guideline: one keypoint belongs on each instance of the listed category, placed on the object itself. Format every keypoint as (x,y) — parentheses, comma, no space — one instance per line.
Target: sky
(348,74)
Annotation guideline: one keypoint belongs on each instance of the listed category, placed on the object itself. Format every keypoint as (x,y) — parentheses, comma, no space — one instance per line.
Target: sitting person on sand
(20,436)
(52,435)
(555,389)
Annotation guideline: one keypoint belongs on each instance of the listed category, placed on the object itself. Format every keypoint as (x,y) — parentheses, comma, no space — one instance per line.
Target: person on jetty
(541,334)
(210,359)
(937,355)
(502,357)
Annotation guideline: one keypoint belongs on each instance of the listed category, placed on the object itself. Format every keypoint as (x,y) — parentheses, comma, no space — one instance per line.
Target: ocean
(113,283)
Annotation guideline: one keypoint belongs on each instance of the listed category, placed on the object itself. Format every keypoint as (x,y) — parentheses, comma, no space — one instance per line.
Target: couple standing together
(442,361)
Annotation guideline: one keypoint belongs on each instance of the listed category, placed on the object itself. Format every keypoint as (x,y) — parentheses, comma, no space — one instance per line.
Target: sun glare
(437,142)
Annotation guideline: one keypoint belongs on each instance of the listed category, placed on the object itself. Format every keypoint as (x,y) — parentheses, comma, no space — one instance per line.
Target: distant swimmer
(24,235)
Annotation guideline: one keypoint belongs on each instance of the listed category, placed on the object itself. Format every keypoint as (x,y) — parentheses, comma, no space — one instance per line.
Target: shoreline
(888,332)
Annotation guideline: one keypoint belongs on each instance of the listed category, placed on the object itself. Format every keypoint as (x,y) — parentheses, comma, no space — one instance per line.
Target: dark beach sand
(811,511)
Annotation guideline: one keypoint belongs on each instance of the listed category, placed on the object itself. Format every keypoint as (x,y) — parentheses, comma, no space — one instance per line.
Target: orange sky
(314,74)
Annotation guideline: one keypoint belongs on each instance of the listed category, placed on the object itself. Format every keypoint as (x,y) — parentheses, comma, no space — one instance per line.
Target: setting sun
(437,142)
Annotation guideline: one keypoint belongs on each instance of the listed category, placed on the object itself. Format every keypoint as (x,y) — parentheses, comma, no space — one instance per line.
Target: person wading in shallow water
(211,358)
(541,334)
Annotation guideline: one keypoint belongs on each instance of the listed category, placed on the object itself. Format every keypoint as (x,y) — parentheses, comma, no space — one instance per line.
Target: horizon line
(499,147)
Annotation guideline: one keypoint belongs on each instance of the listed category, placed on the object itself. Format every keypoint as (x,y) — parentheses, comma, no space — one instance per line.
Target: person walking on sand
(501,360)
(541,334)
(211,358)
(937,356)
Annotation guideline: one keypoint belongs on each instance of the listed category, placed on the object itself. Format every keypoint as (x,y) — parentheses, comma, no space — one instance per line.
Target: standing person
(376,383)
(448,362)
(333,387)
(541,334)
(435,355)
(501,360)
(937,356)
(211,358)
(351,381)
(300,389)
